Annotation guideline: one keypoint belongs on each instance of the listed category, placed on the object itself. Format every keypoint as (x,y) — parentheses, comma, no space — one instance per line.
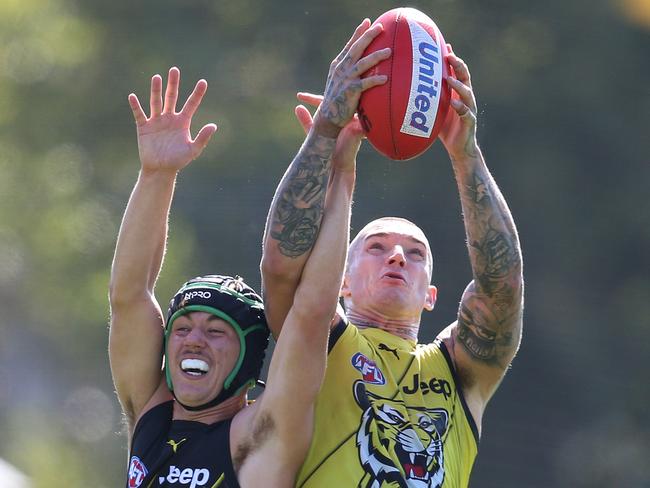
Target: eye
(375,246)
(181,329)
(417,252)
(216,332)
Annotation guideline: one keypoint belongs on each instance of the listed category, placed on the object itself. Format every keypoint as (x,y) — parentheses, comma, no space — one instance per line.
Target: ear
(430,301)
(345,288)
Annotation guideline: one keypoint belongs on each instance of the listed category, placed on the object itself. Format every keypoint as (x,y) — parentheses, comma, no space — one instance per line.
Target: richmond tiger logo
(399,446)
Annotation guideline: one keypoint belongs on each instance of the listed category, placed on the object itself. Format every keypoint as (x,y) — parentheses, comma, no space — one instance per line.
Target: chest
(416,377)
(182,459)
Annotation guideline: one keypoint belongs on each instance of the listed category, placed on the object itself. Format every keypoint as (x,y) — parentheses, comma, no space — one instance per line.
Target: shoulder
(339,327)
(162,396)
(443,346)
(150,428)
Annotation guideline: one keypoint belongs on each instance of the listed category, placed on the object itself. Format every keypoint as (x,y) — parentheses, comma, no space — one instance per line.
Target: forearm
(298,362)
(293,224)
(142,237)
(492,240)
(490,314)
(320,283)
(296,212)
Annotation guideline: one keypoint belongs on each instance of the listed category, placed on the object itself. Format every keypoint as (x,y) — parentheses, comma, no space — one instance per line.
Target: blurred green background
(564,115)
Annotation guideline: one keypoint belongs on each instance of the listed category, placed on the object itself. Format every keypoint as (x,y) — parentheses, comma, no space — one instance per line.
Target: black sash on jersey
(154,472)
(157,424)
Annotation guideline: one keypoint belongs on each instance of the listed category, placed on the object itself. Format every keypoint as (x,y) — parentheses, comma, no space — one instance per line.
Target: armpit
(263,427)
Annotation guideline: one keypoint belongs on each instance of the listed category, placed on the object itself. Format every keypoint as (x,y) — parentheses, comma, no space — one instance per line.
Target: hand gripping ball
(403,117)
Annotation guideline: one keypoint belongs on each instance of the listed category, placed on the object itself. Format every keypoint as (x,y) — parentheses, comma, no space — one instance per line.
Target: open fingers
(171,92)
(310,98)
(460,69)
(358,32)
(459,107)
(155,100)
(463,99)
(136,108)
(202,138)
(371,81)
(360,45)
(364,64)
(194,100)
(304,117)
(465,94)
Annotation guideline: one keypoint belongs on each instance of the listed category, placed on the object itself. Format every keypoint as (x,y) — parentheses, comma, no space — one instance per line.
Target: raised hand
(344,83)
(459,131)
(348,141)
(164,139)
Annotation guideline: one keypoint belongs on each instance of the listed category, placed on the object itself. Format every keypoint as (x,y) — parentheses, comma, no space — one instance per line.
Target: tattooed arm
(487,333)
(293,224)
(331,145)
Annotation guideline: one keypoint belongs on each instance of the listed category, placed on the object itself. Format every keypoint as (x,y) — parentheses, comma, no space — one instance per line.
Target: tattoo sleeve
(297,209)
(336,106)
(489,319)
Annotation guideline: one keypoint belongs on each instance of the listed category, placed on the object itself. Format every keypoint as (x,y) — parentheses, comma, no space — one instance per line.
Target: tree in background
(565,108)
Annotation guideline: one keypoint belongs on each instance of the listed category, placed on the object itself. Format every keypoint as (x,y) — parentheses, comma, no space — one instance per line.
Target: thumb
(304,117)
(202,139)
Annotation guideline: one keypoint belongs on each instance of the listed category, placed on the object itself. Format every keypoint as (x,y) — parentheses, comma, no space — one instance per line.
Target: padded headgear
(242,308)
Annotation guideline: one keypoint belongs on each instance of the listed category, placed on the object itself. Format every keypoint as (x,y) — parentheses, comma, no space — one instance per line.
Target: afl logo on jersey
(137,472)
(368,368)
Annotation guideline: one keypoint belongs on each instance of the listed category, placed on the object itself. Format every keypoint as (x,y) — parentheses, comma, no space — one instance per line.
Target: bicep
(135,352)
(278,299)
(485,338)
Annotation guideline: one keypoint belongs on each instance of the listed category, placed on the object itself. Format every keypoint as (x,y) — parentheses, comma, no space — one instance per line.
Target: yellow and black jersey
(390,414)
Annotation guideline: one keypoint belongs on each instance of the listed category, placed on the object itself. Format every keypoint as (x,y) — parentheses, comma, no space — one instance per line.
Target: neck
(222,411)
(404,328)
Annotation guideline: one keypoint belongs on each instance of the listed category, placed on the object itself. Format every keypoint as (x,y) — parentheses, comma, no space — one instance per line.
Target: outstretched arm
(487,334)
(282,426)
(296,213)
(165,147)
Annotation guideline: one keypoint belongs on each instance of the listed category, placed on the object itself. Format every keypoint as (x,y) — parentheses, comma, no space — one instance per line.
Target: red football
(403,117)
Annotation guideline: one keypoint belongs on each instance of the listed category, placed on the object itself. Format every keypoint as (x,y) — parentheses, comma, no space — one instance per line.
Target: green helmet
(242,308)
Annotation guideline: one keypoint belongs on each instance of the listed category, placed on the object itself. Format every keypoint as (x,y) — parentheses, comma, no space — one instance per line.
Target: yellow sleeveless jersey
(389,414)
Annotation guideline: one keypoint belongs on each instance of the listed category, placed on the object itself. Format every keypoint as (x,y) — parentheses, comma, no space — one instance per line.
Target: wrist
(344,175)
(469,156)
(339,167)
(325,128)
(158,174)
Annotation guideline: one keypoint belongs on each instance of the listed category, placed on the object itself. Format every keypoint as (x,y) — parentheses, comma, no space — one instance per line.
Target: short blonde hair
(361,235)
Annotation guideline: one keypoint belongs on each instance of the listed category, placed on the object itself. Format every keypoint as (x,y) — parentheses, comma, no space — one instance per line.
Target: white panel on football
(426,81)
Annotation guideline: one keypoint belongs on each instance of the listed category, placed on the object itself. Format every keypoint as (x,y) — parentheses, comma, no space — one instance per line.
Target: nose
(195,338)
(397,256)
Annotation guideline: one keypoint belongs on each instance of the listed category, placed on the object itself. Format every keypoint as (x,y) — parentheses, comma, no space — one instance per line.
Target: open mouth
(414,464)
(194,367)
(394,276)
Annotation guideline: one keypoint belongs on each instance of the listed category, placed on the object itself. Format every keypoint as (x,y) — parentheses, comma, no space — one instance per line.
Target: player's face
(389,271)
(202,350)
